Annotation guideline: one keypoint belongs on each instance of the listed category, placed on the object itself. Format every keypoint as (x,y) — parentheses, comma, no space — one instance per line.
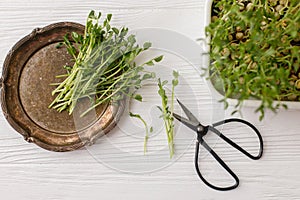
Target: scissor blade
(192,125)
(188,113)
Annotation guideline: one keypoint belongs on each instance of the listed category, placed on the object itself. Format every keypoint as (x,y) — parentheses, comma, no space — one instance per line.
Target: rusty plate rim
(52,142)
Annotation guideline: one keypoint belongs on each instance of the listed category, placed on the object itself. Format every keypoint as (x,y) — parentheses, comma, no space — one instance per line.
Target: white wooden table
(29,172)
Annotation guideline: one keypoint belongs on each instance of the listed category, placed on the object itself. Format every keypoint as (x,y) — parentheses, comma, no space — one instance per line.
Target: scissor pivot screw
(200,129)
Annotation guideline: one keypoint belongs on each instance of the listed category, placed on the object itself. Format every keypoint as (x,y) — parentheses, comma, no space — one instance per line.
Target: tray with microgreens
(254,52)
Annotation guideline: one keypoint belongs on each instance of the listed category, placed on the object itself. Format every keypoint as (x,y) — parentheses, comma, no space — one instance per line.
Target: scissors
(201,131)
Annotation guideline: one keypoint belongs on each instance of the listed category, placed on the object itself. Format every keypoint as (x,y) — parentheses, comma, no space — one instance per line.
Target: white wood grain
(29,172)
(15,24)
(110,4)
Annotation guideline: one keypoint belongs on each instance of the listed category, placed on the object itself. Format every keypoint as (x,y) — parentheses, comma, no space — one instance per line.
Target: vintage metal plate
(29,69)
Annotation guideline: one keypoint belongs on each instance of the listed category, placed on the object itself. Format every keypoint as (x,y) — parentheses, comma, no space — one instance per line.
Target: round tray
(29,69)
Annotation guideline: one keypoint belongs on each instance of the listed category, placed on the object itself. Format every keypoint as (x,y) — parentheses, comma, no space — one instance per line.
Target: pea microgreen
(104,67)
(146,128)
(167,112)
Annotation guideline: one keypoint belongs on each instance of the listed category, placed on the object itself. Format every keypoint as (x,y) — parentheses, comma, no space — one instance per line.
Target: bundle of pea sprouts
(104,69)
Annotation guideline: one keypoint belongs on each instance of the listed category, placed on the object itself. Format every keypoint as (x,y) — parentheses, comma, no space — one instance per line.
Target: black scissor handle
(219,160)
(216,131)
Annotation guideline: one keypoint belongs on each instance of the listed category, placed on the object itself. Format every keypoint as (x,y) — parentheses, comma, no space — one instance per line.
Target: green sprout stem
(167,113)
(146,128)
